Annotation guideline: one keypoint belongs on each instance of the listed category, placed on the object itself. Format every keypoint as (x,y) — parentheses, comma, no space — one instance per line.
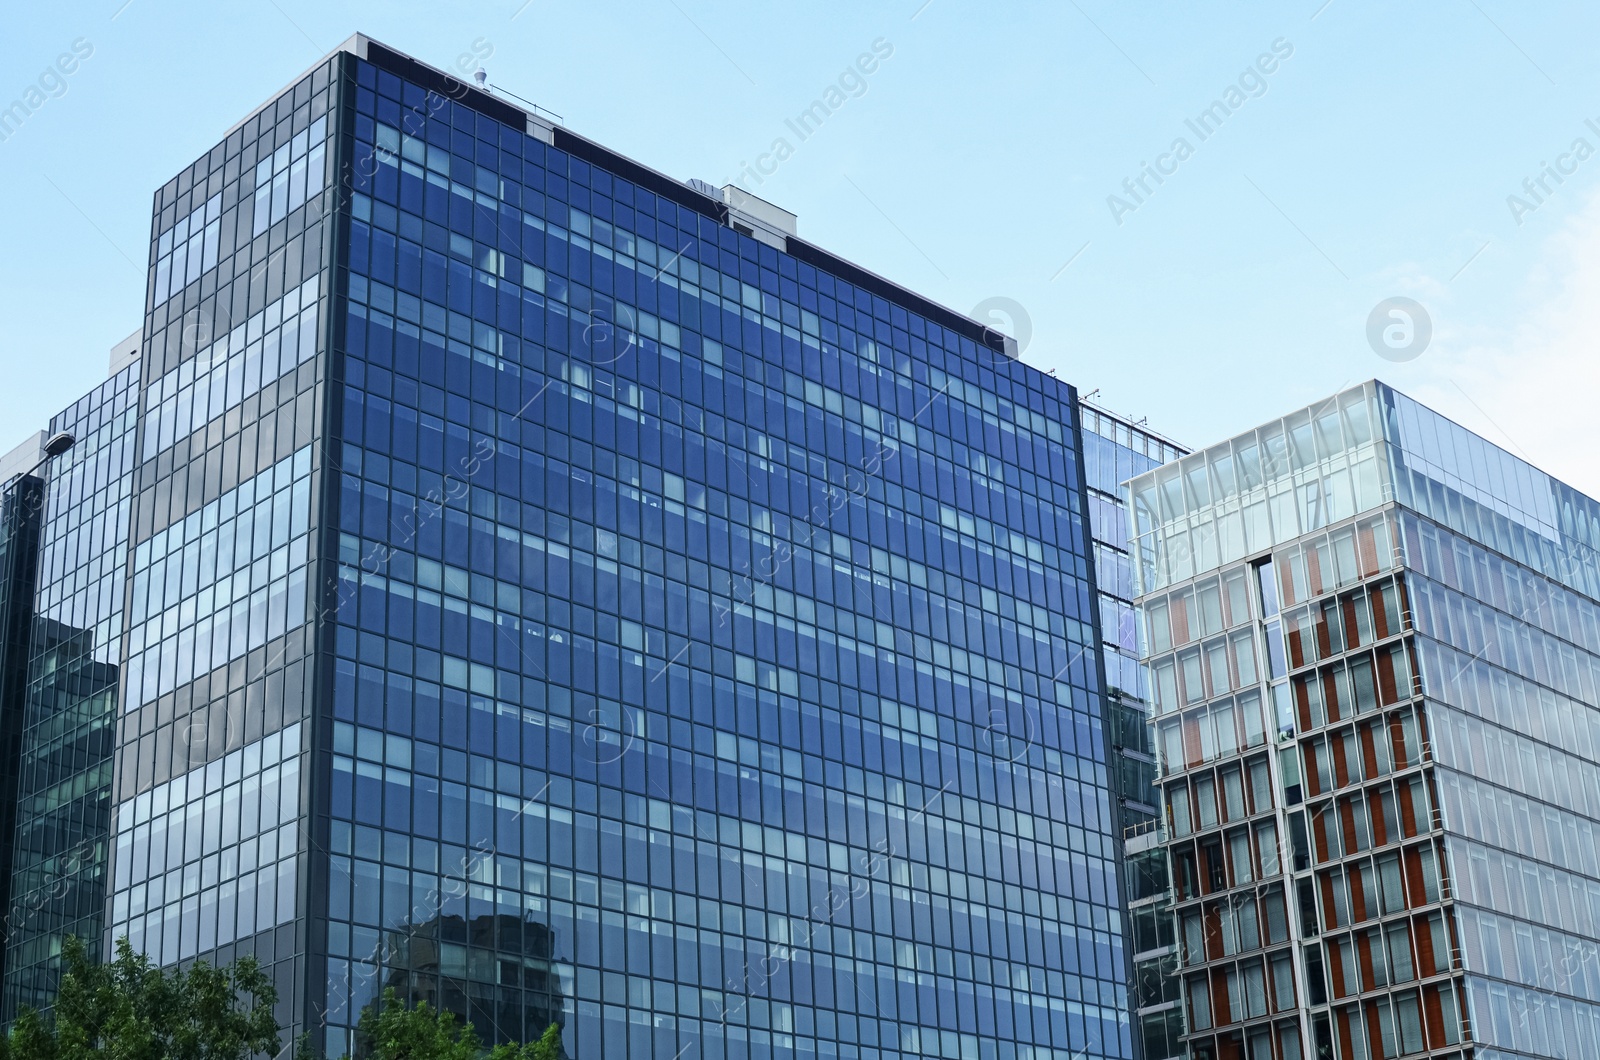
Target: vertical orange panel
(1330,694)
(1425,955)
(1358,897)
(1388,687)
(1367,546)
(1397,744)
(1414,889)
(1376,801)
(1433,1015)
(1408,810)
(1374,1035)
(1346,1044)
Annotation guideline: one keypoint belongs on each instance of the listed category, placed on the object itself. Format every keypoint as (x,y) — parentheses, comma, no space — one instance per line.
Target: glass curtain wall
(1370,647)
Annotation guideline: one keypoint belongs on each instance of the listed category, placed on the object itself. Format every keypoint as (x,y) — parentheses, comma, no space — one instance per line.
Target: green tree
(130,1009)
(548,1047)
(396,1031)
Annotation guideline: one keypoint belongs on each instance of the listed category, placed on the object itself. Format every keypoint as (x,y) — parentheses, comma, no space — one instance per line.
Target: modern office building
(560,592)
(1372,645)
(1115,449)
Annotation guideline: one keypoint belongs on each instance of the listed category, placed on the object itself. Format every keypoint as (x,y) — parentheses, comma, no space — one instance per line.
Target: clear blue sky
(1376,161)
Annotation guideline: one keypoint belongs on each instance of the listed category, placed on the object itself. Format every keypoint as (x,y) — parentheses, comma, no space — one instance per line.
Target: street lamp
(58,444)
(54,446)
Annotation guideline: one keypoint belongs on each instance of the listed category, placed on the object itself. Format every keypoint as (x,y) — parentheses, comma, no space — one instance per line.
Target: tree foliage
(396,1031)
(130,1009)
(548,1047)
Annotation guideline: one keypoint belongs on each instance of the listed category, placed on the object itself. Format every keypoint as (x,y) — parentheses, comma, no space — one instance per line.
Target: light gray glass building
(1372,642)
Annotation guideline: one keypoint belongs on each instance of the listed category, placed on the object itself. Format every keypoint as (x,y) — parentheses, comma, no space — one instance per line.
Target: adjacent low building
(64,541)
(1372,644)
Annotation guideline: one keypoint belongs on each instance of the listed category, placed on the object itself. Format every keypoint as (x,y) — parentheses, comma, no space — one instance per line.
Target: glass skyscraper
(1116,449)
(1372,644)
(560,593)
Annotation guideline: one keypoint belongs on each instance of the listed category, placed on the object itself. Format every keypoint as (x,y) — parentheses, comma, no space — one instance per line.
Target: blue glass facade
(563,598)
